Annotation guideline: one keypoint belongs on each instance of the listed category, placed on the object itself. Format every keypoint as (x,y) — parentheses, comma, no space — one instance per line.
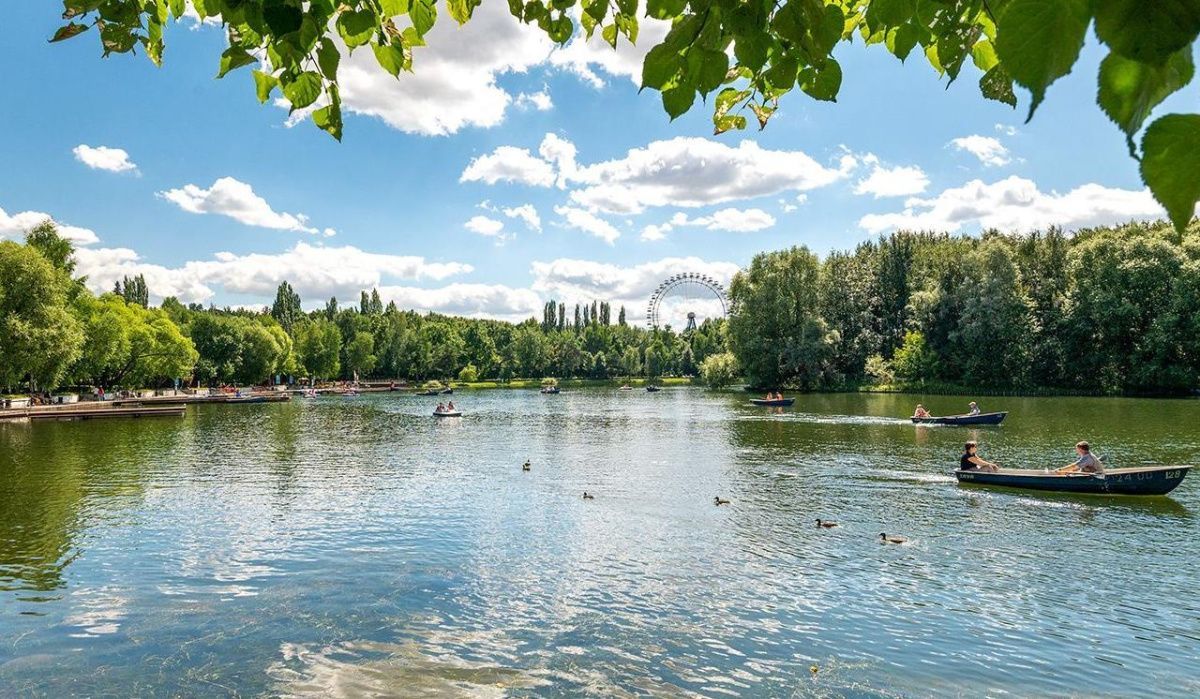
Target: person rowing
(973,408)
(921,411)
(440,409)
(1086,463)
(971,461)
(450,406)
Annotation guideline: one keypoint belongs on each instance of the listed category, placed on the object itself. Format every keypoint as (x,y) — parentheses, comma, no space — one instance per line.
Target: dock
(94,411)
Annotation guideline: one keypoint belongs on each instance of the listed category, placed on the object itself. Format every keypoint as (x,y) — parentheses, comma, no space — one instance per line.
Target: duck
(718,500)
(588,496)
(893,539)
(525,466)
(826,524)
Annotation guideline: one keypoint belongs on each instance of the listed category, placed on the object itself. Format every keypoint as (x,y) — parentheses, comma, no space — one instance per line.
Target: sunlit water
(359,547)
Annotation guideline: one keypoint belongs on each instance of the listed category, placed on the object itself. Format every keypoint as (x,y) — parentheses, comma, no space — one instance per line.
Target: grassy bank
(949,389)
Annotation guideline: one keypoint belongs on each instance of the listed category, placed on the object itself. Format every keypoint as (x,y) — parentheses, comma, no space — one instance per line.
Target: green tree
(319,344)
(468,374)
(360,354)
(914,360)
(39,336)
(286,309)
(994,328)
(719,370)
(56,249)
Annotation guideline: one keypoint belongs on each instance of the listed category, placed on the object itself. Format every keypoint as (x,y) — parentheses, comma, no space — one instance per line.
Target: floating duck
(893,539)
(720,501)
(525,466)
(826,524)
(587,496)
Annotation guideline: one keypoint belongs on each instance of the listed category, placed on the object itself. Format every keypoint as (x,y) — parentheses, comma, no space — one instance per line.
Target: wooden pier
(91,411)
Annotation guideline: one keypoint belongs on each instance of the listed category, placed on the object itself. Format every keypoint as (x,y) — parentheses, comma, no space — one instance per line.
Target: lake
(359,547)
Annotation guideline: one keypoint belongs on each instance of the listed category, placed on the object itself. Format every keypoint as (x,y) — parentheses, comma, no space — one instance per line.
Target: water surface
(358,547)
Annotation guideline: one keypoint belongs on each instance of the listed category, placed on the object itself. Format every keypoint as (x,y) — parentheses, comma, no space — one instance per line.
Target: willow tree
(750,53)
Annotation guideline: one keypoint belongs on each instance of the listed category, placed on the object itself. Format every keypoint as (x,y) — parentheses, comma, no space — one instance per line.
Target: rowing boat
(978,419)
(781,402)
(447,413)
(653,389)
(1145,480)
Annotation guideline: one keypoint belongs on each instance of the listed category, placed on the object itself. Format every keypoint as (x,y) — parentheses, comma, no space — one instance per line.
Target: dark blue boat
(653,389)
(980,419)
(1146,480)
(781,402)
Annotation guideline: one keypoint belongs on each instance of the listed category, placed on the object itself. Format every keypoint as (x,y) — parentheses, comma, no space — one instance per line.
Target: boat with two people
(773,399)
(973,416)
(1086,475)
(550,390)
(446,410)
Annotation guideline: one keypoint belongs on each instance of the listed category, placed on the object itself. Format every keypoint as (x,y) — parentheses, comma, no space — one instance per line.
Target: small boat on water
(625,388)
(245,399)
(978,419)
(550,390)
(447,413)
(773,402)
(653,389)
(430,392)
(447,390)
(1144,480)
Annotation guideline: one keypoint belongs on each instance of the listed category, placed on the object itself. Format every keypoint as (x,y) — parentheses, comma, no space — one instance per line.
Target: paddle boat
(1143,480)
(625,388)
(550,390)
(653,389)
(447,413)
(959,420)
(773,402)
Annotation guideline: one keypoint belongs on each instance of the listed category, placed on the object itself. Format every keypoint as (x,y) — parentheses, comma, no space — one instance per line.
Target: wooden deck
(91,411)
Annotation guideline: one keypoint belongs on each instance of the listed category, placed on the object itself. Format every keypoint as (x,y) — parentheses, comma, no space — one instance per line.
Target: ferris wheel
(687,296)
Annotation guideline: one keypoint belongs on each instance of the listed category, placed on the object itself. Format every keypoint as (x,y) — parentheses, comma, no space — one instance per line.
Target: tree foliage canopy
(750,53)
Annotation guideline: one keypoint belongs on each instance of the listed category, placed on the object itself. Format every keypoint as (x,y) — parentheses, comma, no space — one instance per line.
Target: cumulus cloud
(104,158)
(897,181)
(526,213)
(730,219)
(539,101)
(314,271)
(15,227)
(237,200)
(471,300)
(1016,204)
(990,151)
(509,164)
(454,83)
(584,57)
(588,222)
(487,227)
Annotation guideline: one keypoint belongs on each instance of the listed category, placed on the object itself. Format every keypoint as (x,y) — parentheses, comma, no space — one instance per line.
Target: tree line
(55,332)
(1110,310)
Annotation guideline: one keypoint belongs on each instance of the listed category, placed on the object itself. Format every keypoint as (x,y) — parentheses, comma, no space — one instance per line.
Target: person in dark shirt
(971,461)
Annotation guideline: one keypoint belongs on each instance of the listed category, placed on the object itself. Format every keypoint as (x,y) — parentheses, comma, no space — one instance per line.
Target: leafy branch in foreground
(750,52)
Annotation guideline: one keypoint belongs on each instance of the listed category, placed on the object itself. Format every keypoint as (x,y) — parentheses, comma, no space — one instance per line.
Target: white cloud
(561,153)
(535,100)
(471,300)
(730,219)
(314,271)
(17,225)
(1016,204)
(901,180)
(509,164)
(487,227)
(237,200)
(588,222)
(1006,129)
(582,56)
(526,213)
(454,80)
(655,232)
(990,151)
(103,158)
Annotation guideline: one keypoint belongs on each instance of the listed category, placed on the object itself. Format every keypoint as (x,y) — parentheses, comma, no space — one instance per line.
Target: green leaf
(329,117)
(726,99)
(664,9)
(890,13)
(461,10)
(234,57)
(356,28)
(822,83)
(1130,90)
(901,40)
(328,58)
(281,17)
(263,85)
(1171,164)
(1149,31)
(424,14)
(751,50)
(394,8)
(1038,41)
(660,65)
(678,99)
(729,122)
(303,90)
(707,68)
(392,57)
(609,34)
(996,84)
(983,55)
(178,7)
(67,31)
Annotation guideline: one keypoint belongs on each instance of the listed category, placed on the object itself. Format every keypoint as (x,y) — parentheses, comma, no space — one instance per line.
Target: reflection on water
(361,548)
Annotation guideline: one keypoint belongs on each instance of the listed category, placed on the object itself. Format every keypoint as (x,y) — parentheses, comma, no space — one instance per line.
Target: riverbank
(578,383)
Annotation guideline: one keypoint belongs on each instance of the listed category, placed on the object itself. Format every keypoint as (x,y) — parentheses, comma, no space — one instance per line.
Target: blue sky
(217,199)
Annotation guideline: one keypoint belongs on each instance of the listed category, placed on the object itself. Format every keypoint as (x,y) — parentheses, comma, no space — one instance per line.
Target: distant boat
(625,388)
(447,390)
(447,413)
(550,390)
(1146,480)
(430,392)
(980,419)
(653,389)
(245,399)
(773,402)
